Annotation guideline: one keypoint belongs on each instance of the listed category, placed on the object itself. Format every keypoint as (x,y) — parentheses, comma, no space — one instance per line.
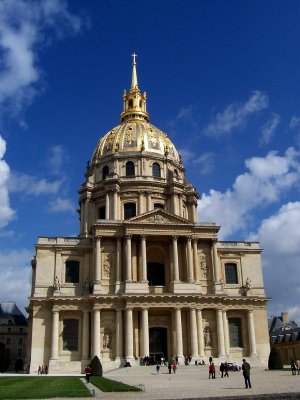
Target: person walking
(174,368)
(157,368)
(170,367)
(293,367)
(298,366)
(88,371)
(226,369)
(246,373)
(212,371)
(222,369)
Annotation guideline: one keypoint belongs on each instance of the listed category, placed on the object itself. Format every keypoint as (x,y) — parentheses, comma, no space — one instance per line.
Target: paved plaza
(191,382)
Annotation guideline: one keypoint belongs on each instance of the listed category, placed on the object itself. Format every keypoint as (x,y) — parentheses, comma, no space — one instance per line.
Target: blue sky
(222,79)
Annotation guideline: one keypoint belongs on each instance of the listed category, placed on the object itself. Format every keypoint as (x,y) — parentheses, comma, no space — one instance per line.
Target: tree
(274,360)
(96,367)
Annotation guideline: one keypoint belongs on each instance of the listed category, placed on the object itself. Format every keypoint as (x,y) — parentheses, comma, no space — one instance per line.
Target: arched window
(130,103)
(130,168)
(72,272)
(231,274)
(129,210)
(176,176)
(105,172)
(156,170)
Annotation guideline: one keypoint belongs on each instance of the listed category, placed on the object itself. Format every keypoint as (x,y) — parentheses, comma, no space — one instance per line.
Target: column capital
(174,237)
(143,236)
(128,235)
(195,240)
(98,237)
(189,238)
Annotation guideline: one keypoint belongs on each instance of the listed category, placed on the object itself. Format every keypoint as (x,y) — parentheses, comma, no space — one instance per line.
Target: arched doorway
(156,274)
(158,344)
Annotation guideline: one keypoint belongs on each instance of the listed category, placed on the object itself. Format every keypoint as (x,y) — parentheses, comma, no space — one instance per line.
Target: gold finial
(134,82)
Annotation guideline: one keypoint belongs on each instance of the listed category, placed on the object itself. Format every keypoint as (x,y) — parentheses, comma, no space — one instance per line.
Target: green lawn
(41,387)
(108,385)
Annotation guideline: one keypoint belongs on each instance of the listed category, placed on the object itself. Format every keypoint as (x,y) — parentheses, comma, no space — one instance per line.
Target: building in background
(143,278)
(13,338)
(285,337)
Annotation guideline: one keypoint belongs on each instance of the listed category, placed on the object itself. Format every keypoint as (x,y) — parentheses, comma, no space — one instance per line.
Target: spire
(134,101)
(134,82)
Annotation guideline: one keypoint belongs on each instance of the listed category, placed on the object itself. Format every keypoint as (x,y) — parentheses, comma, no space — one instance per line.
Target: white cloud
(22,30)
(280,238)
(15,276)
(268,129)
(6,212)
(266,181)
(61,205)
(235,115)
(30,185)
(205,162)
(56,159)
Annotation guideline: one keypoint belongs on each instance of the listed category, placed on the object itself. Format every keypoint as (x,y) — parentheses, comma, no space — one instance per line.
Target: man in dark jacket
(246,373)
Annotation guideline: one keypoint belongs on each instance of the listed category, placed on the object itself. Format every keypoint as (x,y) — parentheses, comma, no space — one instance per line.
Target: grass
(108,385)
(42,387)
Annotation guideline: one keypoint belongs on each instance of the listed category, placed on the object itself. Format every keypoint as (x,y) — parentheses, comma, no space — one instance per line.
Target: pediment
(160,217)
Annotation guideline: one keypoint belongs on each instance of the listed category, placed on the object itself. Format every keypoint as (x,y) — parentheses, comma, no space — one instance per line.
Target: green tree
(96,367)
(274,360)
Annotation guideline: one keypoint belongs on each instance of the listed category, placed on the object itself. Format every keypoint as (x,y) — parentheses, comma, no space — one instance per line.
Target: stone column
(119,334)
(86,216)
(175,260)
(178,330)
(220,333)
(175,211)
(116,214)
(251,332)
(149,205)
(55,335)
(129,335)
(128,277)
(196,261)
(190,260)
(194,212)
(193,333)
(118,260)
(97,266)
(85,335)
(144,259)
(200,333)
(145,333)
(141,208)
(180,205)
(107,198)
(226,333)
(217,272)
(96,333)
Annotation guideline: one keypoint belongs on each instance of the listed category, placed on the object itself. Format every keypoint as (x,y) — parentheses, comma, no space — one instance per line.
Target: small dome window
(130,103)
(130,168)
(156,170)
(105,172)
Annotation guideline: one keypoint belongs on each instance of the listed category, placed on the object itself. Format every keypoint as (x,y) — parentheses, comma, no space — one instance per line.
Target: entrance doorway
(158,344)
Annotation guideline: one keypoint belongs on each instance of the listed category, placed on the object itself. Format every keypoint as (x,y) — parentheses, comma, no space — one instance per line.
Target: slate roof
(283,332)
(11,310)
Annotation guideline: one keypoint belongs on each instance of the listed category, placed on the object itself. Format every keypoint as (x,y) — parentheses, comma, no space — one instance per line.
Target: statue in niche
(107,338)
(247,287)
(203,265)
(106,262)
(207,337)
(56,284)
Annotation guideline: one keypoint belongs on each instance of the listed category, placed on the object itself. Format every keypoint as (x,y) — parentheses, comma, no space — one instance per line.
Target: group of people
(43,370)
(224,368)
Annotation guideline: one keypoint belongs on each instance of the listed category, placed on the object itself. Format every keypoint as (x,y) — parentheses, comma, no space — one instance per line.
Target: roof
(11,310)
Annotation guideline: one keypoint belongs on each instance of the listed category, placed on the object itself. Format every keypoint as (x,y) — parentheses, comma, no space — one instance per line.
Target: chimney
(285,316)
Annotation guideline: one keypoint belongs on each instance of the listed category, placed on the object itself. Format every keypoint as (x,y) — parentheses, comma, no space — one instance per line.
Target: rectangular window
(8,341)
(231,273)
(70,334)
(235,332)
(72,272)
(101,212)
(20,352)
(9,330)
(129,210)
(20,341)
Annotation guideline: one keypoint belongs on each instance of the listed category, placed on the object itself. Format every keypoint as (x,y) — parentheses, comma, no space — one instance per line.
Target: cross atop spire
(134,82)
(134,56)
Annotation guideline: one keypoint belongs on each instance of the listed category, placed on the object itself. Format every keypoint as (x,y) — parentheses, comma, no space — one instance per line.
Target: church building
(143,277)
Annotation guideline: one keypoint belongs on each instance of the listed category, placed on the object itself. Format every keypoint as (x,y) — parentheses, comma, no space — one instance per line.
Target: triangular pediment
(160,217)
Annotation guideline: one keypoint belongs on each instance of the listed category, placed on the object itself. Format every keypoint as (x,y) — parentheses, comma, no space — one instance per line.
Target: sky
(222,79)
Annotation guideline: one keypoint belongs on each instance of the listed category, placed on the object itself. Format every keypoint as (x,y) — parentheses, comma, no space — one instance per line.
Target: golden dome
(135,133)
(135,136)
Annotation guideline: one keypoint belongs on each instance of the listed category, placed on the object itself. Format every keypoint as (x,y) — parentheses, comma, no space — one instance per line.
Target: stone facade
(143,277)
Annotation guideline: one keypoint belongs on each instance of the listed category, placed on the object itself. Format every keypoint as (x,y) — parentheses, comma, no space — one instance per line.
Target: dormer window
(130,168)
(156,170)
(130,103)
(105,172)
